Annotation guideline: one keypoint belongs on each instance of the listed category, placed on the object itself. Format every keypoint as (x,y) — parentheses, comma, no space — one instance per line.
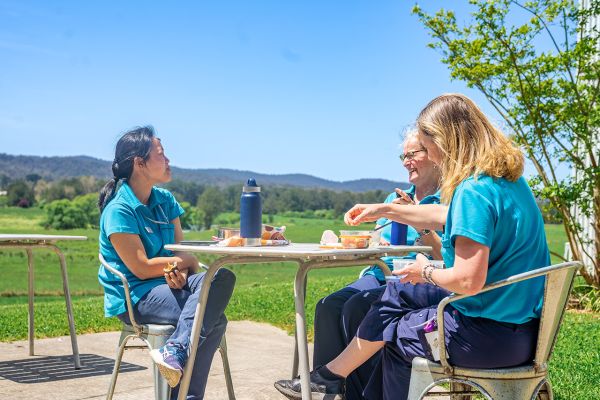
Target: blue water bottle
(251,214)
(399,232)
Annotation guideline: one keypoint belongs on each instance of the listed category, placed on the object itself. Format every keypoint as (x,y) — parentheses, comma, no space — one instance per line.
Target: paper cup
(403,262)
(400,263)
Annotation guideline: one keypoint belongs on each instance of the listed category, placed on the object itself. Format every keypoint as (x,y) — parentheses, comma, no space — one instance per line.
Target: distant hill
(52,168)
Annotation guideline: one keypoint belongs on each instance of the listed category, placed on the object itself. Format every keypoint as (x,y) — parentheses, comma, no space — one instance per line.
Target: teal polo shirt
(152,222)
(411,235)
(504,217)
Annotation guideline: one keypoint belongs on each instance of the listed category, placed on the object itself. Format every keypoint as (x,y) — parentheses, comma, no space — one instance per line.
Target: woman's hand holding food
(362,213)
(176,279)
(412,273)
(188,261)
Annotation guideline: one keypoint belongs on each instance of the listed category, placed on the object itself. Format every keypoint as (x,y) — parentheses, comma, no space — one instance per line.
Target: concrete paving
(259,354)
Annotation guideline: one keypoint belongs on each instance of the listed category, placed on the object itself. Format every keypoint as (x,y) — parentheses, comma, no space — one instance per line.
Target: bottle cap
(250,186)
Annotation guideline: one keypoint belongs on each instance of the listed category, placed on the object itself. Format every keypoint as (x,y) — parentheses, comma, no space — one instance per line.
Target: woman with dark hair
(137,220)
(492,229)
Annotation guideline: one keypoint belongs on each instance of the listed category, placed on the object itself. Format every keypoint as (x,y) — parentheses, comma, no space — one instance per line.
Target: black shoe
(320,387)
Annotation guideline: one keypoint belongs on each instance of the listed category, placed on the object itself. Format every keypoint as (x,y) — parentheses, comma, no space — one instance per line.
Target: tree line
(70,203)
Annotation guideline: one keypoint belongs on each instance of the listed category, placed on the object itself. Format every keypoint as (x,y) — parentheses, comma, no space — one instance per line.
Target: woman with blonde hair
(492,229)
(338,315)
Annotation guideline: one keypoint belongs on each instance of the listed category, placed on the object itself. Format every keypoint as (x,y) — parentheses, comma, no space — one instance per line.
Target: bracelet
(423,272)
(429,276)
(425,232)
(427,273)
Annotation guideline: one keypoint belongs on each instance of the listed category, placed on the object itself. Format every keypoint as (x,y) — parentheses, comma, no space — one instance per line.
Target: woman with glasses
(137,220)
(338,315)
(492,229)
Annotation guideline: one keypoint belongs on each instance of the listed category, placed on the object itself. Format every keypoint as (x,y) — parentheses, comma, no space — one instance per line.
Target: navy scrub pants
(398,318)
(163,305)
(337,318)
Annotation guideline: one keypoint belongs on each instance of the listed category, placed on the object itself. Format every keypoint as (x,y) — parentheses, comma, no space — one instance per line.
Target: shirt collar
(432,198)
(126,192)
(156,198)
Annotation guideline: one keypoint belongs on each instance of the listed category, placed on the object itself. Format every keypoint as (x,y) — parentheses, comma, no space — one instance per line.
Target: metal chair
(153,336)
(523,382)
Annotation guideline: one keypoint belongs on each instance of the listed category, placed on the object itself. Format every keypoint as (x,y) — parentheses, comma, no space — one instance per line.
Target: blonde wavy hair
(469,143)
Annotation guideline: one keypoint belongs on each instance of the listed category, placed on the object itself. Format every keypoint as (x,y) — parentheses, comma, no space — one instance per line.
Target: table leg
(184,385)
(295,362)
(212,269)
(300,283)
(31,294)
(301,342)
(63,270)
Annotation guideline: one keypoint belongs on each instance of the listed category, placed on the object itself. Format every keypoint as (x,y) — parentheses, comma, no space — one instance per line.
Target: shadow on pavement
(57,368)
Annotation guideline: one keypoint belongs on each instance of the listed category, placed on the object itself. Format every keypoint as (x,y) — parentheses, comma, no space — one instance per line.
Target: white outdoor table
(29,242)
(308,256)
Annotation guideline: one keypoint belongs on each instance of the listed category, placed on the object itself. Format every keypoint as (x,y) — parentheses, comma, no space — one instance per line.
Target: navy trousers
(398,318)
(337,318)
(163,305)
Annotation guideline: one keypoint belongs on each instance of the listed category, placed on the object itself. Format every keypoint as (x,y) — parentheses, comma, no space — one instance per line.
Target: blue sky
(322,88)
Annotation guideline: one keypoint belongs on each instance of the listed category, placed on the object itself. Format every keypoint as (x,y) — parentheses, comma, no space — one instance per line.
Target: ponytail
(106,193)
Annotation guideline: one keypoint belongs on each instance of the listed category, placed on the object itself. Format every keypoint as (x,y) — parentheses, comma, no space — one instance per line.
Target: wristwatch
(425,232)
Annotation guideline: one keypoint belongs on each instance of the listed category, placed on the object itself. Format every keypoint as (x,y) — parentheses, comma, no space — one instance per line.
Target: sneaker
(321,388)
(170,360)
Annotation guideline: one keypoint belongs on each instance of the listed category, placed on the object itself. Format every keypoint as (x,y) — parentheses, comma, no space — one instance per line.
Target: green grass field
(263,293)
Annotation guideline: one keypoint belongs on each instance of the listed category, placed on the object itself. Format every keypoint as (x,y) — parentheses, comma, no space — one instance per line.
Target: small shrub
(20,194)
(23,203)
(82,212)
(186,218)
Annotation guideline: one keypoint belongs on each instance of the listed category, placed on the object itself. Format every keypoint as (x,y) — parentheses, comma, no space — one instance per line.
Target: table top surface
(27,238)
(310,250)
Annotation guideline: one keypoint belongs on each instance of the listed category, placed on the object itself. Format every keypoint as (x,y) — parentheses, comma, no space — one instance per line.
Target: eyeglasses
(410,155)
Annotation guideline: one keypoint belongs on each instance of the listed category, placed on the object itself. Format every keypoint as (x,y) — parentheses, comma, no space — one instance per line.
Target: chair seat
(523,372)
(151,329)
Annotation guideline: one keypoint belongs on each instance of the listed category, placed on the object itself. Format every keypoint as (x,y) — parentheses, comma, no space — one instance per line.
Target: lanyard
(164,216)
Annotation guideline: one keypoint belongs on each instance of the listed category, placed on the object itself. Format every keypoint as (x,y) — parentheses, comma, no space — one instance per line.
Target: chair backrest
(559,281)
(138,328)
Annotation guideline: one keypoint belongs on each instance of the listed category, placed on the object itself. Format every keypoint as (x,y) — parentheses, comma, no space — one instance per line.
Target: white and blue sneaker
(170,360)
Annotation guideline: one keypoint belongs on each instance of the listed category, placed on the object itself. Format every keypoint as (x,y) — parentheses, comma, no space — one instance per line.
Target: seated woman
(338,315)
(493,229)
(137,220)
